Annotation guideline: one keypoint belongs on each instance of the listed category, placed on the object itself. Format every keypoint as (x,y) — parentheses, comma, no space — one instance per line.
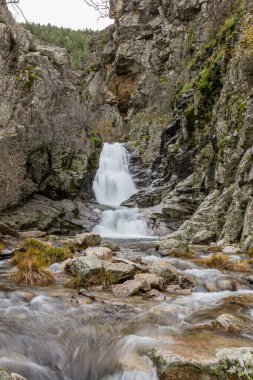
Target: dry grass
(222,262)
(32,259)
(30,272)
(1,247)
(46,253)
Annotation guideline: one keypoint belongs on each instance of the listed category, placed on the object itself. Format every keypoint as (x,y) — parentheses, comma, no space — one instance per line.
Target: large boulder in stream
(92,270)
(230,324)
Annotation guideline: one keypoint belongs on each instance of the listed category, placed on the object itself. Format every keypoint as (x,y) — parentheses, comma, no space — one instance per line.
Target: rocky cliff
(174,80)
(44,141)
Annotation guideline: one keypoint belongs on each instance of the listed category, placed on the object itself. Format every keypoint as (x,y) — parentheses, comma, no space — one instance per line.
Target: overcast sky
(73,14)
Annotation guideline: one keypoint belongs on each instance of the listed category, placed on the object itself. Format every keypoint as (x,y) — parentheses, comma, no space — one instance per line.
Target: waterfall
(113,185)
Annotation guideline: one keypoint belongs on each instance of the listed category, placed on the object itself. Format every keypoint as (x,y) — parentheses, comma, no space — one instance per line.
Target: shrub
(32,258)
(30,271)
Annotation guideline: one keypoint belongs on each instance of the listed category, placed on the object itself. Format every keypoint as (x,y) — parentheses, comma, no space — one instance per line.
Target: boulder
(229,323)
(101,253)
(165,270)
(119,271)
(171,245)
(203,236)
(150,281)
(86,240)
(129,288)
(88,270)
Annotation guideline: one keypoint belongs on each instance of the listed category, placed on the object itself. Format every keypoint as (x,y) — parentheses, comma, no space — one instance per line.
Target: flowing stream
(54,333)
(113,185)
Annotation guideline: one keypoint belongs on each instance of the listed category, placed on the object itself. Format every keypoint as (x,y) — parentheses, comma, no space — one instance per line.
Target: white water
(113,185)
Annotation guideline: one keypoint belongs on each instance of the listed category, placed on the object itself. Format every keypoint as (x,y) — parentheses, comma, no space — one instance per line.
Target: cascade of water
(113,185)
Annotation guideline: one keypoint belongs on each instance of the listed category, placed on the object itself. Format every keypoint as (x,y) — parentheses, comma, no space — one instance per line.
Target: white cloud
(73,14)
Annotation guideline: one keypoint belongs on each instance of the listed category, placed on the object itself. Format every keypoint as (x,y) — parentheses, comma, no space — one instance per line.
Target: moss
(241,113)
(1,247)
(188,86)
(27,76)
(163,80)
(97,141)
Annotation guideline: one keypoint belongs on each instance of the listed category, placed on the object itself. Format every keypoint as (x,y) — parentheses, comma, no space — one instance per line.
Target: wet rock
(228,284)
(25,296)
(101,253)
(168,246)
(119,271)
(172,366)
(87,240)
(150,281)
(229,323)
(13,376)
(165,270)
(176,289)
(154,294)
(129,288)
(250,279)
(210,286)
(188,282)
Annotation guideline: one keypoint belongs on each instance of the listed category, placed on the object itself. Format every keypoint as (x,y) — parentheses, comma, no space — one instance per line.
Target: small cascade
(113,185)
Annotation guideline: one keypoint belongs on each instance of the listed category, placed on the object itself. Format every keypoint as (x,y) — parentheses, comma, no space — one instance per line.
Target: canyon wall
(173,79)
(45,145)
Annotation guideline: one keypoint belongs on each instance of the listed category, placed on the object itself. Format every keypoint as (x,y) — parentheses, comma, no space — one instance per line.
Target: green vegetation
(76,42)
(32,258)
(27,76)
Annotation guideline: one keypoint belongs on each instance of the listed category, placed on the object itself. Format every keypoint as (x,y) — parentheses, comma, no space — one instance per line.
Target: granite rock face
(44,141)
